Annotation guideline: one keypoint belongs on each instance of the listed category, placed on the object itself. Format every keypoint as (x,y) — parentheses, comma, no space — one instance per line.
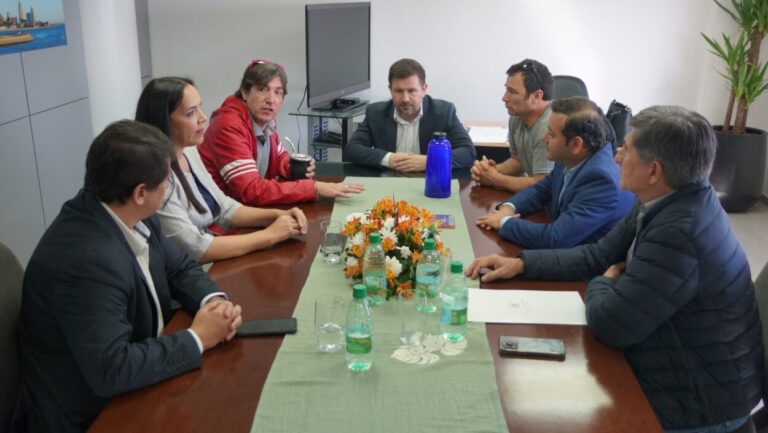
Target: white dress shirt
(137,238)
(407,136)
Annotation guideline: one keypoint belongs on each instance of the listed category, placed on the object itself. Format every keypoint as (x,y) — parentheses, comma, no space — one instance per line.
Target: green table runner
(311,391)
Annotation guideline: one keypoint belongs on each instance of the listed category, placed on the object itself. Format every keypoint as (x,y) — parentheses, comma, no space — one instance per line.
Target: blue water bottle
(438,176)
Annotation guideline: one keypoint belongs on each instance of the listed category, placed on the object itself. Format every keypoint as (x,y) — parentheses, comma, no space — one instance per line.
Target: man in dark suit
(395,133)
(98,288)
(581,193)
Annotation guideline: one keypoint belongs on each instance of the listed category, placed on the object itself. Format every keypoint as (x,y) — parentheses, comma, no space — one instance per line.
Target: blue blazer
(377,135)
(88,321)
(591,205)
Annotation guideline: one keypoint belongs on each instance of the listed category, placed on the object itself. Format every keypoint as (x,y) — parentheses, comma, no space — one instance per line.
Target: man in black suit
(396,133)
(98,288)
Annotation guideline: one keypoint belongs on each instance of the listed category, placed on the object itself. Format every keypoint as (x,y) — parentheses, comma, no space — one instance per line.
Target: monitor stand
(341,104)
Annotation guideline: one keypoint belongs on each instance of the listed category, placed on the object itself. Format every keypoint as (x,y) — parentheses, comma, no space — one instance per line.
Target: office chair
(760,417)
(618,116)
(567,86)
(11,275)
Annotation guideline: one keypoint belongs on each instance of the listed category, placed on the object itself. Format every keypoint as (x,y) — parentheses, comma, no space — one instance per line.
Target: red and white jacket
(229,153)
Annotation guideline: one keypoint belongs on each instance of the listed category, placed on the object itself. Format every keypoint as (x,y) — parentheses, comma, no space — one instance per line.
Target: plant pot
(739,168)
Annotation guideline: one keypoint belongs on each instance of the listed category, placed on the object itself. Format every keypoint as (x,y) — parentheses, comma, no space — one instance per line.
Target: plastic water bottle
(438,172)
(428,277)
(453,314)
(375,270)
(359,331)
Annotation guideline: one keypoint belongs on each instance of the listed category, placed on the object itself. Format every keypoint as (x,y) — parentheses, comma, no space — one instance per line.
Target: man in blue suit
(581,194)
(98,288)
(395,133)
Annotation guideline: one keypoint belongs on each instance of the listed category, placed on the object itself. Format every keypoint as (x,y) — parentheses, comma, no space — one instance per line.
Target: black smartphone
(251,328)
(526,346)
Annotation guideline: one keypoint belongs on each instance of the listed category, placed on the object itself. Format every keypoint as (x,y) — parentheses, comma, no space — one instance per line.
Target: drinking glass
(329,323)
(445,269)
(413,320)
(333,242)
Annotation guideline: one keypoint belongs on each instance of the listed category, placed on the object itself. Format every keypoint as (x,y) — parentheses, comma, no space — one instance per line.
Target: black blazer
(377,135)
(87,322)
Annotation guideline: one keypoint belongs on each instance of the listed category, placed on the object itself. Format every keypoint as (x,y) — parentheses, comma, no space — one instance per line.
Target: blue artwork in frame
(27,25)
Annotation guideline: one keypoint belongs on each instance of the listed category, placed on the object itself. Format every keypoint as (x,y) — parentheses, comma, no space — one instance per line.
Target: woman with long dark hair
(193,202)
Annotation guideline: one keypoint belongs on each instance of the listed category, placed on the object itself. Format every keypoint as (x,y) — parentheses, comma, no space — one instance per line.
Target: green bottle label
(359,344)
(454,317)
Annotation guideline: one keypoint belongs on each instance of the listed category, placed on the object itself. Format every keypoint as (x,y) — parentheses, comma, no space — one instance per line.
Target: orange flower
(390,277)
(417,238)
(415,256)
(357,250)
(404,227)
(406,289)
(385,206)
(351,271)
(387,245)
(350,228)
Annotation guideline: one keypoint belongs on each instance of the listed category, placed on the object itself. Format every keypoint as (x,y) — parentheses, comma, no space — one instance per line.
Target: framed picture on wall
(27,25)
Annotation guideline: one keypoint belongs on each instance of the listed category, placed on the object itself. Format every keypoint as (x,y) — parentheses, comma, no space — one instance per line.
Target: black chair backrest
(568,85)
(760,418)
(618,116)
(11,275)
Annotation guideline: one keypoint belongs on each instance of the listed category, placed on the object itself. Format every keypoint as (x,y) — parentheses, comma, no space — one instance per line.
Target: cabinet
(328,129)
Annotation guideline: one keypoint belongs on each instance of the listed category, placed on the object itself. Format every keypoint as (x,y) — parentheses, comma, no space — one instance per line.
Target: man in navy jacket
(98,289)
(670,285)
(581,194)
(395,133)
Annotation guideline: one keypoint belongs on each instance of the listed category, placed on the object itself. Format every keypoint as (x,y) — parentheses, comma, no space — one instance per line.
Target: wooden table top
(592,390)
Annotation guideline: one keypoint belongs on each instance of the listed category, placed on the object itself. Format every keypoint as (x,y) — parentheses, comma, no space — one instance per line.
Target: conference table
(592,390)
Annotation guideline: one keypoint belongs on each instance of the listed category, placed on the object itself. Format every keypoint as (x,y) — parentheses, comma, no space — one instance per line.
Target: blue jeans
(723,427)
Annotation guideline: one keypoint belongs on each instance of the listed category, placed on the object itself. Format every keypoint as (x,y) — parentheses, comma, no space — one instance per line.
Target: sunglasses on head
(531,66)
(263,62)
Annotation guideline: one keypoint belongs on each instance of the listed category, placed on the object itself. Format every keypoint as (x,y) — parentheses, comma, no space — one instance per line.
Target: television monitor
(338,37)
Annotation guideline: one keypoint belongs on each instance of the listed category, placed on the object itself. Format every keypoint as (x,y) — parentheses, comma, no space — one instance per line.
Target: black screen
(338,50)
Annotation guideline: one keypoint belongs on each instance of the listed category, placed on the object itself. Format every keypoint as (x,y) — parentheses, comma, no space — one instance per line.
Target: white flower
(394,265)
(388,234)
(403,218)
(389,223)
(405,252)
(357,239)
(351,262)
(425,233)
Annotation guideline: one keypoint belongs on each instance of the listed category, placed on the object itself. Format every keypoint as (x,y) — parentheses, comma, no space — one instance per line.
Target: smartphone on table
(251,328)
(535,347)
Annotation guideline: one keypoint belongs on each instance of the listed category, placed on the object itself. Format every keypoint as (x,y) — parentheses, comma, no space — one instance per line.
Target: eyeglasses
(530,65)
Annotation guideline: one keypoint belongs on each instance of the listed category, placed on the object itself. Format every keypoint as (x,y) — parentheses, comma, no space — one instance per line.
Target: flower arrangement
(403,228)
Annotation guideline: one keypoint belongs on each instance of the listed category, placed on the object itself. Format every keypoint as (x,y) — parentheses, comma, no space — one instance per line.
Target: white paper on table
(526,306)
(488,134)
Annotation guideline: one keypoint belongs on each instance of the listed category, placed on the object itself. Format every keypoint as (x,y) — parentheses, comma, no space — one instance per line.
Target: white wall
(641,53)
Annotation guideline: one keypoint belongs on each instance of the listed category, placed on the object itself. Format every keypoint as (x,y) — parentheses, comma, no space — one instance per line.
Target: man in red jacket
(242,149)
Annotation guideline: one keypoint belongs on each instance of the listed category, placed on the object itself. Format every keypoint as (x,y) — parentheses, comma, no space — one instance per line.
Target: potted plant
(739,168)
